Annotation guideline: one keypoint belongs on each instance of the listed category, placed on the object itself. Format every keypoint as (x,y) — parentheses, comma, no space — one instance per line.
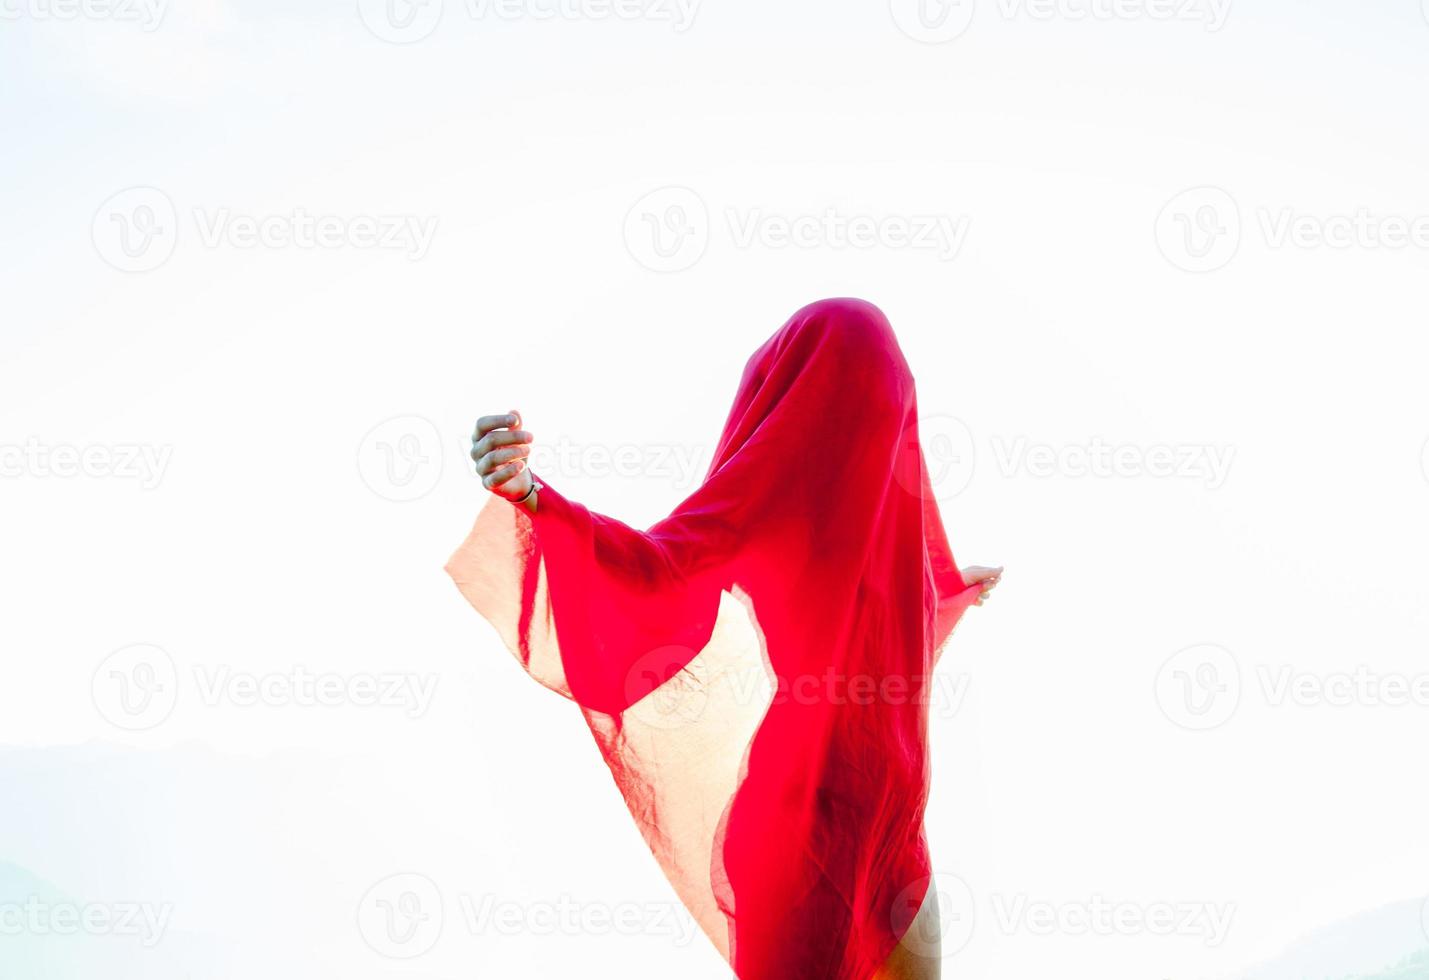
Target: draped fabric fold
(756,668)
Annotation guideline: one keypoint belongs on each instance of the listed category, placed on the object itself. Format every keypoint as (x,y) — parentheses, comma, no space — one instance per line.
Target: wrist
(528,500)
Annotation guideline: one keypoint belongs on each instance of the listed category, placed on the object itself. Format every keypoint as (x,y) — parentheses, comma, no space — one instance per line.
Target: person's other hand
(987,577)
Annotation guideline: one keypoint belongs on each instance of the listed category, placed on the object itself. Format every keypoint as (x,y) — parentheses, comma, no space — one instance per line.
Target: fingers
(489,462)
(497,439)
(495,432)
(489,422)
(497,478)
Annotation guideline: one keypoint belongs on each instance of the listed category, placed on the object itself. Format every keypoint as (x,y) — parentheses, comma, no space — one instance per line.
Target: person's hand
(987,577)
(500,448)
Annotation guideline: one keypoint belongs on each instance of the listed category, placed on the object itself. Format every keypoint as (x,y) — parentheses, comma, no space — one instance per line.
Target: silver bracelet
(535,485)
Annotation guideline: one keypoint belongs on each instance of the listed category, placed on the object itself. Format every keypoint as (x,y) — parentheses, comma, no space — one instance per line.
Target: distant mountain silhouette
(1388,943)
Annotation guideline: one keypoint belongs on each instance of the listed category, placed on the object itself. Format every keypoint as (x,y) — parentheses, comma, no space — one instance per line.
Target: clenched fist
(500,449)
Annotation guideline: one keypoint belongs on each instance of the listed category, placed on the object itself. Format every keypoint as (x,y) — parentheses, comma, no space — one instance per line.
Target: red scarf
(756,667)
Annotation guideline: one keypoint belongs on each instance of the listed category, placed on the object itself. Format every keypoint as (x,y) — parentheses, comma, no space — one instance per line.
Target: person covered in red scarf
(756,667)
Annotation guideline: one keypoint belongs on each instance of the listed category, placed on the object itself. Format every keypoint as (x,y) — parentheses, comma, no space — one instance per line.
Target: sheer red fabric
(756,667)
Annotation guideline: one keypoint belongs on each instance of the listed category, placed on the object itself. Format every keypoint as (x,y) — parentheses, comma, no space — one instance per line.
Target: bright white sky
(514,164)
